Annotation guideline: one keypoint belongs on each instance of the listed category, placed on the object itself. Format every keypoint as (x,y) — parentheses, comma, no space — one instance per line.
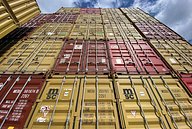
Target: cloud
(85,3)
(106,3)
(176,14)
(50,6)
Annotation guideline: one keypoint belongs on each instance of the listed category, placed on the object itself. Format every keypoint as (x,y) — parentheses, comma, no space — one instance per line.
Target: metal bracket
(8,8)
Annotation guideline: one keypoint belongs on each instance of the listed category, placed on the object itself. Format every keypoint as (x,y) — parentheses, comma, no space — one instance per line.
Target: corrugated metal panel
(156,31)
(56,107)
(78,102)
(115,31)
(136,15)
(135,58)
(97,108)
(7,46)
(174,101)
(188,83)
(68,10)
(113,16)
(16,13)
(18,34)
(149,26)
(187,80)
(7,24)
(38,20)
(32,56)
(10,41)
(24,10)
(153,102)
(63,18)
(70,59)
(79,56)
(88,31)
(89,18)
(52,30)
(17,94)
(174,54)
(97,58)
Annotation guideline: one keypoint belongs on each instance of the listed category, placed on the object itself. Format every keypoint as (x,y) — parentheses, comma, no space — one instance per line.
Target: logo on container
(128,93)
(52,93)
(45,110)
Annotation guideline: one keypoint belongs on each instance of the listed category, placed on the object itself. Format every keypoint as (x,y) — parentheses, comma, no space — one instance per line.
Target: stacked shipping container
(15,13)
(169,45)
(95,68)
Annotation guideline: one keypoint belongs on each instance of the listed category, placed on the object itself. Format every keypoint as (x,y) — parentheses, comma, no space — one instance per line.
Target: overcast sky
(177,14)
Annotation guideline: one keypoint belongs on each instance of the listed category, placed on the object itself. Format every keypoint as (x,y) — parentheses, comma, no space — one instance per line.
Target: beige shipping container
(52,30)
(153,102)
(173,100)
(32,56)
(114,16)
(117,30)
(11,44)
(96,31)
(68,10)
(97,107)
(85,102)
(56,107)
(182,47)
(87,31)
(137,15)
(79,31)
(177,55)
(89,18)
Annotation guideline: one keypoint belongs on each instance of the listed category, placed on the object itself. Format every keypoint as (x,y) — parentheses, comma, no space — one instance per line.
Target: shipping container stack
(93,68)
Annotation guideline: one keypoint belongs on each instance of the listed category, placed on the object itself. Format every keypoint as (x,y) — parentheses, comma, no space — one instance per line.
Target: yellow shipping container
(76,102)
(32,56)
(53,30)
(7,24)
(24,10)
(89,18)
(137,15)
(153,102)
(175,53)
(68,10)
(118,30)
(16,13)
(88,31)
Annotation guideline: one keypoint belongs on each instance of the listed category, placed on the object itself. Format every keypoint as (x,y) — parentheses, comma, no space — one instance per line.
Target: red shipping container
(96,58)
(5,81)
(63,18)
(77,57)
(70,58)
(20,93)
(148,59)
(121,59)
(188,83)
(38,20)
(135,58)
(185,75)
(156,30)
(51,18)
